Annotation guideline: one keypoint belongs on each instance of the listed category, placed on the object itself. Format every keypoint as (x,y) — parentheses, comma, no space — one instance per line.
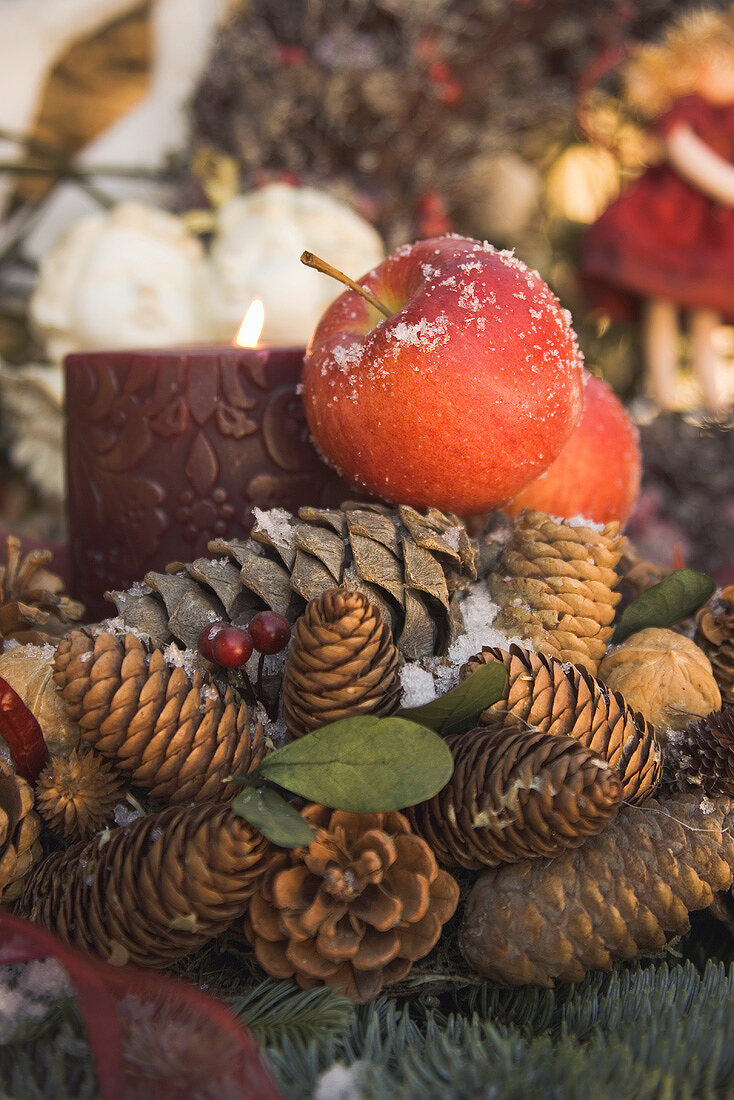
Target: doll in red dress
(666,245)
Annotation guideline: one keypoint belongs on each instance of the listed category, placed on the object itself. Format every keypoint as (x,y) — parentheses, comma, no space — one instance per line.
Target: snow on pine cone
(173,732)
(555,587)
(341,661)
(409,564)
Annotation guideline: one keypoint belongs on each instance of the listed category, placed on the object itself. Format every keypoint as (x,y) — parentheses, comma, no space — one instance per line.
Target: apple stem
(318,264)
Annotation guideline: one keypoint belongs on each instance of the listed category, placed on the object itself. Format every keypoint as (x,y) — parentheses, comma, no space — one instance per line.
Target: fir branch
(279,1010)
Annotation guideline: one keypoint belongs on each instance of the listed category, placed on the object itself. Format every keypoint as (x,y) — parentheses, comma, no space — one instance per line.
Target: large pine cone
(33,606)
(516,795)
(543,694)
(342,660)
(76,795)
(158,889)
(20,827)
(555,587)
(408,564)
(702,755)
(624,893)
(355,909)
(173,733)
(715,636)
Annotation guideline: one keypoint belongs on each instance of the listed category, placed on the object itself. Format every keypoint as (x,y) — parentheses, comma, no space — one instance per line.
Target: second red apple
(597,474)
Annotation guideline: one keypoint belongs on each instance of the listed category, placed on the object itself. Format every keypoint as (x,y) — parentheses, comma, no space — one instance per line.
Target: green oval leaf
(458,710)
(363,764)
(276,819)
(674,598)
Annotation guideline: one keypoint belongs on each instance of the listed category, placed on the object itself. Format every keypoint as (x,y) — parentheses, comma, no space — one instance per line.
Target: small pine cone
(409,564)
(33,606)
(555,587)
(76,795)
(715,636)
(342,660)
(545,695)
(355,909)
(20,827)
(173,733)
(623,894)
(514,795)
(152,891)
(702,755)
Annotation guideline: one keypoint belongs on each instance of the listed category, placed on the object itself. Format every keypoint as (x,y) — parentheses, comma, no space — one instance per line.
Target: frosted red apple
(597,474)
(462,396)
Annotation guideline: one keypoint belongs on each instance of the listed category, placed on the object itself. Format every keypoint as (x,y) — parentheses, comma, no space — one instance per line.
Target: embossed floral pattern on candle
(169,449)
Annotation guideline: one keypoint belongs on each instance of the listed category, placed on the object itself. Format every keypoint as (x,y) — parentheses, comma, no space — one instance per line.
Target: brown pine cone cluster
(545,695)
(341,661)
(627,891)
(20,827)
(516,795)
(155,891)
(702,755)
(555,587)
(178,736)
(715,636)
(33,605)
(410,565)
(355,909)
(76,795)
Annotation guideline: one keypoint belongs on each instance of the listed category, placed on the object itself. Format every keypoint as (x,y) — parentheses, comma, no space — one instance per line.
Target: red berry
(207,636)
(270,632)
(231,647)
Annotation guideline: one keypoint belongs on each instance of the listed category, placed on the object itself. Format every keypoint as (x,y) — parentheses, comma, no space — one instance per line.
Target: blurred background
(163,163)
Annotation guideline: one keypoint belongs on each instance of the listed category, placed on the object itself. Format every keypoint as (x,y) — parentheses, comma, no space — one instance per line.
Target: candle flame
(252,325)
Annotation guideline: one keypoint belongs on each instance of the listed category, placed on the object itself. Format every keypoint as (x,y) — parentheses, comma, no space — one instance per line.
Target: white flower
(131,277)
(256,255)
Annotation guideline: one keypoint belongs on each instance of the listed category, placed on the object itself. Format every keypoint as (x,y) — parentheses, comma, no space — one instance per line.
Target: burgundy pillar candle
(170,448)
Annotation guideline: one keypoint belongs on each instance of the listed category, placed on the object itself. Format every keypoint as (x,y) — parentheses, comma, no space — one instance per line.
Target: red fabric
(662,237)
(149,1036)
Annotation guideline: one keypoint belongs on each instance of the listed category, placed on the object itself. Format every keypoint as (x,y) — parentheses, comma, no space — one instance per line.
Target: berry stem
(318,264)
(260,694)
(249,689)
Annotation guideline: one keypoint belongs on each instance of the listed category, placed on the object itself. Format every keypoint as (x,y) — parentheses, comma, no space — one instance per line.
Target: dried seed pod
(516,795)
(342,660)
(624,893)
(543,694)
(555,587)
(76,795)
(152,891)
(175,733)
(29,671)
(33,605)
(664,676)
